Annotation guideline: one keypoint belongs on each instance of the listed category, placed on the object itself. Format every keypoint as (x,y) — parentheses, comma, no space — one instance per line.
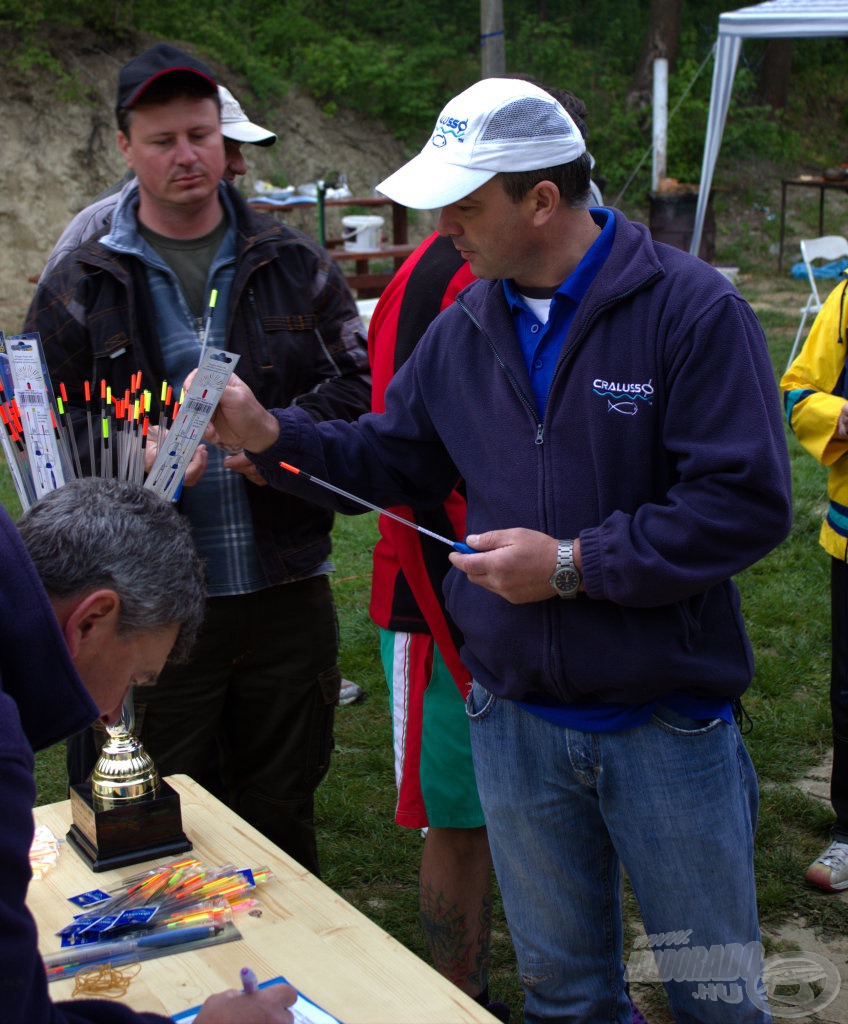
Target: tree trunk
(661,38)
(774,76)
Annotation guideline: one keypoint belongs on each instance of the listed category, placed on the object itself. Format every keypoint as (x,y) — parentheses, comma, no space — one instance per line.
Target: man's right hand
(240,421)
(267,1006)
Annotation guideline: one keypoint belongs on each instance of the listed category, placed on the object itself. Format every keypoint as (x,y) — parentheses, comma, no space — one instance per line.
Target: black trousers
(839,695)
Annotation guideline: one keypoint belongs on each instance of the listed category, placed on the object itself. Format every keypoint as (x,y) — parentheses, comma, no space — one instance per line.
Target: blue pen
(457,545)
(249,982)
(100,952)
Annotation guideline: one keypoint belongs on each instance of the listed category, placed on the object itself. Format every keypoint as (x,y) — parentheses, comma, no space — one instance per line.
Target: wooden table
(822,184)
(400,229)
(325,947)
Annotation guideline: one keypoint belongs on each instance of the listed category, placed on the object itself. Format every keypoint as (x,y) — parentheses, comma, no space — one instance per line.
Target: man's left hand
(196,467)
(517,564)
(238,462)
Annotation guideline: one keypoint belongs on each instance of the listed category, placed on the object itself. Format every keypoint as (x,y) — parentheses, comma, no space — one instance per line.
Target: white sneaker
(830,870)
(350,693)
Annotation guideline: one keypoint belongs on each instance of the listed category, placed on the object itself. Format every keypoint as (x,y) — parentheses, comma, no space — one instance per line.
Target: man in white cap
(610,403)
(236,127)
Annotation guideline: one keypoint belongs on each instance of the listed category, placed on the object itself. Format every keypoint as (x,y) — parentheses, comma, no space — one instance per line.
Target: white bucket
(360,233)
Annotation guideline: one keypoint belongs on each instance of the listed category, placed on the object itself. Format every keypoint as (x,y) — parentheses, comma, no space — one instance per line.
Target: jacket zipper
(510,376)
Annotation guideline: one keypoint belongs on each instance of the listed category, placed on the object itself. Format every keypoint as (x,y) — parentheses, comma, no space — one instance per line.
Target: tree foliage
(400,60)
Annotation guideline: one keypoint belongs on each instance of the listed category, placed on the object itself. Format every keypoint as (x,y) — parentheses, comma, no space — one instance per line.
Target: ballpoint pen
(457,545)
(101,952)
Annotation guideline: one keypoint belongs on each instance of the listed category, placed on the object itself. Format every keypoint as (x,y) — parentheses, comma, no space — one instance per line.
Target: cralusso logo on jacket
(624,398)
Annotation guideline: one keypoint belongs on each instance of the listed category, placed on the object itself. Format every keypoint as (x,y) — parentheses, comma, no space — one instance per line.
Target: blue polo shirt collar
(541,343)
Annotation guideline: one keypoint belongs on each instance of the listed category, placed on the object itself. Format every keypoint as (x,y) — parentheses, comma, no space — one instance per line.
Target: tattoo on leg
(460,954)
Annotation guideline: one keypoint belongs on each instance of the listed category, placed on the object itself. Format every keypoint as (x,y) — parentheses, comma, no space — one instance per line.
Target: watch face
(567,581)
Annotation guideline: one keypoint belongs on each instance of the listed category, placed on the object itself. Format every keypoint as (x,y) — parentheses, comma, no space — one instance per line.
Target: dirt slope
(57,153)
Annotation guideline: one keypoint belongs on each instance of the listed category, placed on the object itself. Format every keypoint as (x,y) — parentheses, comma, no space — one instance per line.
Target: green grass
(374,864)
(366,857)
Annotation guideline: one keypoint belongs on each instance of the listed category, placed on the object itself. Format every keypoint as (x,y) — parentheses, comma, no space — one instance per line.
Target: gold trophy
(125,813)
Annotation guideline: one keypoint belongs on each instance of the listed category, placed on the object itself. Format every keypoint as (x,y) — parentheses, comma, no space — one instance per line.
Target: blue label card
(137,917)
(88,899)
(100,925)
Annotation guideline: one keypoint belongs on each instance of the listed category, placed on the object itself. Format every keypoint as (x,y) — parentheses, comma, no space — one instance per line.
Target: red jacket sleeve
(406,591)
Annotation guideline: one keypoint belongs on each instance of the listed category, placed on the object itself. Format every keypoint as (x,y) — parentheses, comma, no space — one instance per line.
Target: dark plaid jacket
(291,318)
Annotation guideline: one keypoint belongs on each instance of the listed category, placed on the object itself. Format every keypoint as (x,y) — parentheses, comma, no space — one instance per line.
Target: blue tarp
(833,269)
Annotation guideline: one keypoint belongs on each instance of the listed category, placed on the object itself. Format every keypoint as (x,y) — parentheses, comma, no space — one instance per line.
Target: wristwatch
(566,577)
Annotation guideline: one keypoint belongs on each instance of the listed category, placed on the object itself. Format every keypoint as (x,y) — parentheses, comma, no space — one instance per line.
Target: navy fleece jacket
(662,448)
(42,700)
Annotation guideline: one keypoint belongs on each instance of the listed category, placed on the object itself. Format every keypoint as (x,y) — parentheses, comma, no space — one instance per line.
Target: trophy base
(137,831)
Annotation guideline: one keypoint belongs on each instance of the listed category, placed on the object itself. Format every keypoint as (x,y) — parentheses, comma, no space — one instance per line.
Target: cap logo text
(449,126)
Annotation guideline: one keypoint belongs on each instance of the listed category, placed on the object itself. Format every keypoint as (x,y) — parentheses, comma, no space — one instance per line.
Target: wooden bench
(367,281)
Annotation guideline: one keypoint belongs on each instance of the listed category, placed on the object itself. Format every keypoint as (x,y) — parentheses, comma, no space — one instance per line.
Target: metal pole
(660,122)
(492,45)
(321,189)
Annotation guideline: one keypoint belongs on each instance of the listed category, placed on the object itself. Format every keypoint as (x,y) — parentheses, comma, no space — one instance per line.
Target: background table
(822,184)
(325,947)
(365,279)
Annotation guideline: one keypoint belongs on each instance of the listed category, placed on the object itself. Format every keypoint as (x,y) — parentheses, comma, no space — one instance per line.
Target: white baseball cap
(498,124)
(236,125)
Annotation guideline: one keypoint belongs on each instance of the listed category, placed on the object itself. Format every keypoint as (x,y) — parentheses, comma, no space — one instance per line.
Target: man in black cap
(237,129)
(263,681)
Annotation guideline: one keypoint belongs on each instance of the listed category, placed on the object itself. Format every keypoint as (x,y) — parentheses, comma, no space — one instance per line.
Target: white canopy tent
(774,19)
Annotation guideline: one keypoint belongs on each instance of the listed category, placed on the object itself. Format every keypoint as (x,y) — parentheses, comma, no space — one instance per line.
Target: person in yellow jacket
(815,395)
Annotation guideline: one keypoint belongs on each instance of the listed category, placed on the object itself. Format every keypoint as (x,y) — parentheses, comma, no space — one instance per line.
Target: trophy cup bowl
(124,771)
(125,813)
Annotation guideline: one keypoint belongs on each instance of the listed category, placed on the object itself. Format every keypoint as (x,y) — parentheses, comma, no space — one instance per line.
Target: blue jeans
(675,801)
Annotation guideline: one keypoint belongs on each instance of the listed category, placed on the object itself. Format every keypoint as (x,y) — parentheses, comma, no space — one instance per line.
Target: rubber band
(105,981)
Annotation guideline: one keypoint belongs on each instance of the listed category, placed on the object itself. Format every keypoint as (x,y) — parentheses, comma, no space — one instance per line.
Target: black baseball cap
(161,59)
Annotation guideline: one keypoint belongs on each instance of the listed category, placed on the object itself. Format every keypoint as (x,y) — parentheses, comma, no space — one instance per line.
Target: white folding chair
(828,247)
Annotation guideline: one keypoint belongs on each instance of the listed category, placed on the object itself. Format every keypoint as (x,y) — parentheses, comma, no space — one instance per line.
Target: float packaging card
(176,452)
(34,402)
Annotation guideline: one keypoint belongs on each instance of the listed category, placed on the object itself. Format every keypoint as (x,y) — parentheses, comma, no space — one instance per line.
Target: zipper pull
(538,433)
